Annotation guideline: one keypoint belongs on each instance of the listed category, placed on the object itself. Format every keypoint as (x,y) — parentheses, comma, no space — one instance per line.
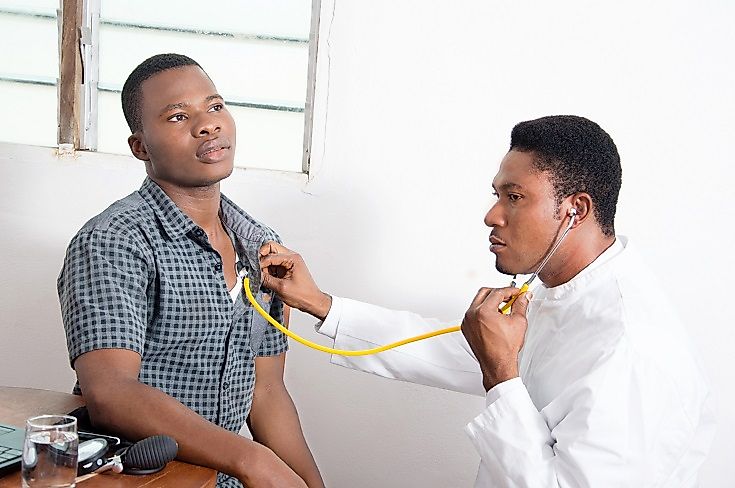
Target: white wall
(415,104)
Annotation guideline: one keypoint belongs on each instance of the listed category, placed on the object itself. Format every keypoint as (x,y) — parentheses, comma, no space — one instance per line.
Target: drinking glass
(50,452)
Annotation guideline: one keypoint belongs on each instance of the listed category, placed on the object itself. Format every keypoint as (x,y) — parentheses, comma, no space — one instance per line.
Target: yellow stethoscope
(365,352)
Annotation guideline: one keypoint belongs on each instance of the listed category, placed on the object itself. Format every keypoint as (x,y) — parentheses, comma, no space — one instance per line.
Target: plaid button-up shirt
(142,276)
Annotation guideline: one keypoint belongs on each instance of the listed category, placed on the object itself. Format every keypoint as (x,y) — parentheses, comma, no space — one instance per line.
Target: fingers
(520,307)
(480,297)
(493,297)
(272,283)
(272,247)
(285,260)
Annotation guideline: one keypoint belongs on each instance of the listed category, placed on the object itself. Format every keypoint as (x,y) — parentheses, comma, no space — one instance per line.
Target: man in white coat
(591,380)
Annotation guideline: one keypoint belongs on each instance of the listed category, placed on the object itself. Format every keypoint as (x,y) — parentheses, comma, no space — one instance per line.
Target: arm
(444,361)
(618,426)
(619,420)
(118,402)
(274,421)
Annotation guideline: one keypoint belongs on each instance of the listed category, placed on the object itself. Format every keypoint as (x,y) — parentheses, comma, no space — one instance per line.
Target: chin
(511,269)
(503,268)
(216,175)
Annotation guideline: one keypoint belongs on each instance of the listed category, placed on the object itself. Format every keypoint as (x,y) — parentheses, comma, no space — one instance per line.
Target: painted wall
(414,109)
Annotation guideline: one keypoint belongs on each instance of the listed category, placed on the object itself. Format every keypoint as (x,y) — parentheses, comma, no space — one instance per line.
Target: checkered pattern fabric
(142,276)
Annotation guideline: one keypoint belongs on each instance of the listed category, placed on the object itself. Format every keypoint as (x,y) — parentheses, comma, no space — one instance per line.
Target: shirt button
(225,385)
(199,232)
(218,267)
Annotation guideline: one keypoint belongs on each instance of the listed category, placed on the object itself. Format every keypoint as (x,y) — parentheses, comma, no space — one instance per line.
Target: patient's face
(188,133)
(524,219)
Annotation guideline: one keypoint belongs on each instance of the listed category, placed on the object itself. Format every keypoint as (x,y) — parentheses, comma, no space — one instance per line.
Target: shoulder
(120,216)
(124,224)
(650,322)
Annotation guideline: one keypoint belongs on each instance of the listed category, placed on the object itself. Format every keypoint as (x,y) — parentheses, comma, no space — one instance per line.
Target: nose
(494,217)
(207,124)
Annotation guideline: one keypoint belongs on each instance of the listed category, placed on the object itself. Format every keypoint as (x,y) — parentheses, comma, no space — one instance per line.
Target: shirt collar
(240,223)
(174,222)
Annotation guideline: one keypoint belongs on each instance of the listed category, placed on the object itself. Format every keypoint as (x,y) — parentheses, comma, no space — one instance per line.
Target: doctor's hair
(132,96)
(579,156)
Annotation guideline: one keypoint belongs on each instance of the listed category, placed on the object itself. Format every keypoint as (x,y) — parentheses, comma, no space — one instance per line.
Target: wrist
(250,461)
(322,306)
(499,374)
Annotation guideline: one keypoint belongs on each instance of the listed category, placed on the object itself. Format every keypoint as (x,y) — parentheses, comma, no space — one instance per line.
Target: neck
(574,256)
(200,204)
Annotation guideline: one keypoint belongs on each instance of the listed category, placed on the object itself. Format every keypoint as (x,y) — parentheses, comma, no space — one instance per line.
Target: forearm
(274,422)
(444,361)
(136,411)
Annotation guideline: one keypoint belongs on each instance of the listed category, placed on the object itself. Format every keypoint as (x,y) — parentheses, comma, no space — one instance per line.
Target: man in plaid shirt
(152,302)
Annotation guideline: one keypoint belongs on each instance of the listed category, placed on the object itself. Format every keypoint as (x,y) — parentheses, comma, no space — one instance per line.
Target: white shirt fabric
(609,395)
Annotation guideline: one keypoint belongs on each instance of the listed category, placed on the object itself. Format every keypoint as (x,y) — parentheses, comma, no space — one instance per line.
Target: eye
(495,194)
(177,118)
(217,107)
(514,197)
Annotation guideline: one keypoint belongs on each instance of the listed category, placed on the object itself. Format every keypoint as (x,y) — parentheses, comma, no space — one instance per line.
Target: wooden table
(18,404)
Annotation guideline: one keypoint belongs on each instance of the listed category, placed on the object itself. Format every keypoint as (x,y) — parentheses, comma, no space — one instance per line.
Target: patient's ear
(137,146)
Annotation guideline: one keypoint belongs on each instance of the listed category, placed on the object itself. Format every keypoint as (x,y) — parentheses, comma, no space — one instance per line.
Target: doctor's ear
(138,147)
(580,208)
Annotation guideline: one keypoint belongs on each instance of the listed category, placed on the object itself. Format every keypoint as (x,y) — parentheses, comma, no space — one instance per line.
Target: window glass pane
(268,139)
(28,75)
(29,113)
(112,130)
(236,47)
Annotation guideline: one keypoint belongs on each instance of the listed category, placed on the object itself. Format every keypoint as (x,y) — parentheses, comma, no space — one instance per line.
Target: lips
(213,150)
(496,240)
(496,243)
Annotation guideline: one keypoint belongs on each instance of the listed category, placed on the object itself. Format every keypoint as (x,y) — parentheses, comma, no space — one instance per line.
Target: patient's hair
(132,96)
(578,156)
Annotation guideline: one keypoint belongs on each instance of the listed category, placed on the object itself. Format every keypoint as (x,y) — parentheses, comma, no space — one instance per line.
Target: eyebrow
(509,186)
(174,106)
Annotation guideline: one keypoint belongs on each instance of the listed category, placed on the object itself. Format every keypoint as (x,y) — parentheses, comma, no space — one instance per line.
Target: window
(28,75)
(256,51)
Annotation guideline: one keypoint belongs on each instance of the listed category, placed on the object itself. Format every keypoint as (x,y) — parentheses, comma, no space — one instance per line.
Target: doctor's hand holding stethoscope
(496,339)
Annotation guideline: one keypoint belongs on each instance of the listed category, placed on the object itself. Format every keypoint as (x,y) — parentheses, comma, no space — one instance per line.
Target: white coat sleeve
(607,426)
(444,361)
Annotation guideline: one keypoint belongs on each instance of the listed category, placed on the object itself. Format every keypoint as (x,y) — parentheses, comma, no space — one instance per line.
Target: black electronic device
(146,456)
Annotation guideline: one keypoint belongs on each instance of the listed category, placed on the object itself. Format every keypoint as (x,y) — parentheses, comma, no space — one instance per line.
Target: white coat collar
(596,268)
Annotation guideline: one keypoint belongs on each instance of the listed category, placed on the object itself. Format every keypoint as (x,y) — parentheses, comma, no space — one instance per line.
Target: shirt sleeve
(274,341)
(102,291)
(444,361)
(607,435)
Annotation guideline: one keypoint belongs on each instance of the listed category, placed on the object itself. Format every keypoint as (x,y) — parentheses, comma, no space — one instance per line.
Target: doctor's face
(525,219)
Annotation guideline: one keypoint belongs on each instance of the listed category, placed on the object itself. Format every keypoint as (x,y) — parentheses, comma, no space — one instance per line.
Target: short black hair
(579,156)
(131,93)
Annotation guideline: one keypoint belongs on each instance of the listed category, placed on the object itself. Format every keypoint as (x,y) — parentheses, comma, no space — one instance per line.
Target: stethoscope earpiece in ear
(572,212)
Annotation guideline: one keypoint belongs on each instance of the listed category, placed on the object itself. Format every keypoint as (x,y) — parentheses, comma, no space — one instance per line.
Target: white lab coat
(609,395)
